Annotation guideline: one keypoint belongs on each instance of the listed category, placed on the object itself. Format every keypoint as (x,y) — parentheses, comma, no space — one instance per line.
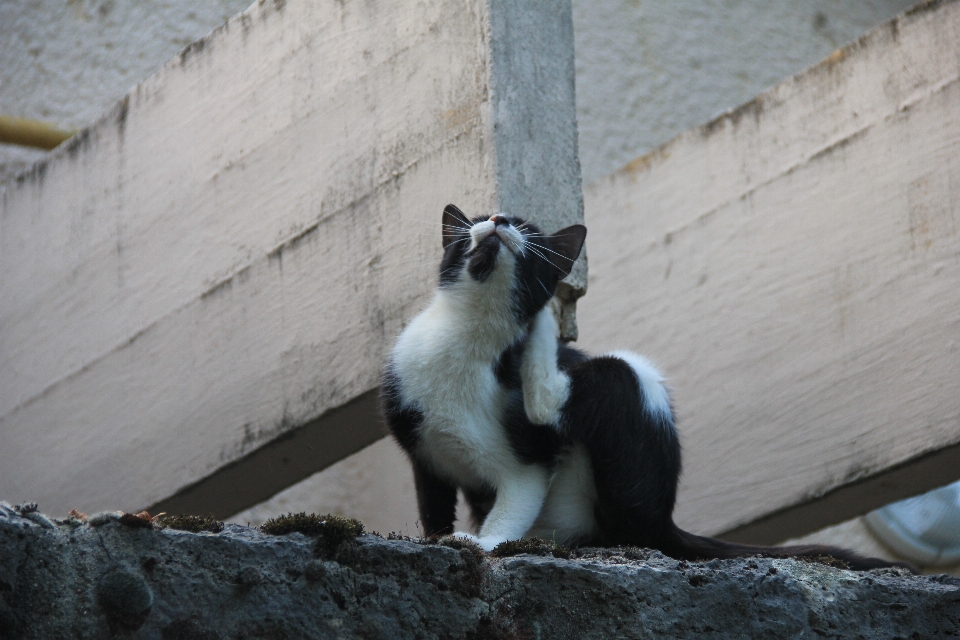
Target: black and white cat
(542,440)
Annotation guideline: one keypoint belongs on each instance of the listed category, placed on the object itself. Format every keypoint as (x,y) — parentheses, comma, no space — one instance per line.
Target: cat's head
(503,255)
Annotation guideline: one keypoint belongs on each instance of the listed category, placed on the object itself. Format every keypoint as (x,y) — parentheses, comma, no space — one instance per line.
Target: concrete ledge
(74,579)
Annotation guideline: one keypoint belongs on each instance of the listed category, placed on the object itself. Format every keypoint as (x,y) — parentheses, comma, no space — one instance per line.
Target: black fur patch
(483,259)
(404,422)
(436,499)
(452,263)
(480,501)
(636,458)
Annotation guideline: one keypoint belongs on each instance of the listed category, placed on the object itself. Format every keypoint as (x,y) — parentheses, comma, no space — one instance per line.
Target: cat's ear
(567,244)
(455,224)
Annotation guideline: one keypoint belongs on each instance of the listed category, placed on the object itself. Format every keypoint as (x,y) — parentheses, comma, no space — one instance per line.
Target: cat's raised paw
(544,396)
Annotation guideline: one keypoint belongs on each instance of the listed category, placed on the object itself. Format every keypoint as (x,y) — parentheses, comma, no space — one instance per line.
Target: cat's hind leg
(567,517)
(619,411)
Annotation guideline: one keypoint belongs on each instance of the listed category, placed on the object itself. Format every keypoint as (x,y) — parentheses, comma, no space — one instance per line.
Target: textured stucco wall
(648,70)
(68,61)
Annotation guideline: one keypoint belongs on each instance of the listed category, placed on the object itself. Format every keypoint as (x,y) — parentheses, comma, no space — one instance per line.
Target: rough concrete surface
(100,578)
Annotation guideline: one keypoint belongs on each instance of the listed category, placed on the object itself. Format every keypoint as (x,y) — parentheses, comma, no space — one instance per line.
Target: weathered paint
(792,267)
(224,257)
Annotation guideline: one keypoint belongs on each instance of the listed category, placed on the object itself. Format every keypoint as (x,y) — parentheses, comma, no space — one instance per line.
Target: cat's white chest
(443,374)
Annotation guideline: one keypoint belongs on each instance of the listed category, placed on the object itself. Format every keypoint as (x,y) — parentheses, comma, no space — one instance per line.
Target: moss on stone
(193,524)
(330,530)
(312,525)
(531,546)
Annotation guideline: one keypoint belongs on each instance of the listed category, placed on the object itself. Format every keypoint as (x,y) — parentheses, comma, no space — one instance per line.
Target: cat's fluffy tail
(688,546)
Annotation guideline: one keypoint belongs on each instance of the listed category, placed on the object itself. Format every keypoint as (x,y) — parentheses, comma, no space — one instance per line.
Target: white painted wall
(793,268)
(226,255)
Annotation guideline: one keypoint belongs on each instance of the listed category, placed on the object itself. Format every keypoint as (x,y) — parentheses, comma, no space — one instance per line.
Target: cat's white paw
(544,396)
(488,543)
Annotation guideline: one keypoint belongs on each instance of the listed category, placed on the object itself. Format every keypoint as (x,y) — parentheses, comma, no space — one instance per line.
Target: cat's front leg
(519,499)
(545,387)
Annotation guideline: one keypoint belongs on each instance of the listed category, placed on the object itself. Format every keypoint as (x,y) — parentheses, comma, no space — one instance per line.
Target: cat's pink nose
(499,220)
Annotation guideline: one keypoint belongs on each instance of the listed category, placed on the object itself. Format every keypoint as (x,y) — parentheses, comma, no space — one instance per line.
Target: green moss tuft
(330,530)
(455,542)
(193,524)
(531,546)
(311,525)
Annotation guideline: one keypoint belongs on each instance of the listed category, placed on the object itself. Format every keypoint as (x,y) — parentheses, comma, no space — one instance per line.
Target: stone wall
(109,575)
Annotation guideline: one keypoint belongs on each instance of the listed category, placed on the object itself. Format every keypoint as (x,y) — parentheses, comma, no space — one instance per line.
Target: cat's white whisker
(539,246)
(543,257)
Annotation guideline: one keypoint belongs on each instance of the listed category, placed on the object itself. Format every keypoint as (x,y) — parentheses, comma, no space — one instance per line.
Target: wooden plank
(793,269)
